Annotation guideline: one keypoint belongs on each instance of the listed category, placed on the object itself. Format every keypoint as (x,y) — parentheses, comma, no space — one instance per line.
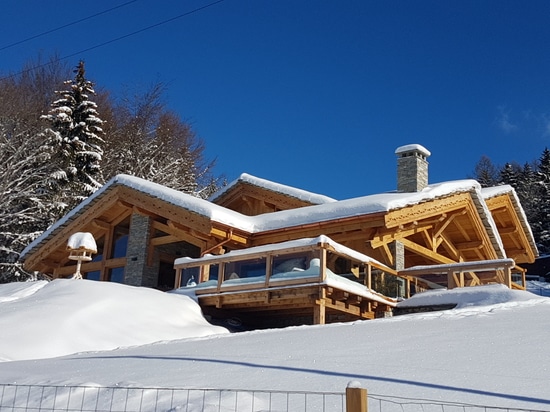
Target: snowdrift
(43,320)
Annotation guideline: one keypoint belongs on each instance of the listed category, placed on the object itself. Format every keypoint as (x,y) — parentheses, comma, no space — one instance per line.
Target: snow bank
(42,320)
(492,355)
(468,297)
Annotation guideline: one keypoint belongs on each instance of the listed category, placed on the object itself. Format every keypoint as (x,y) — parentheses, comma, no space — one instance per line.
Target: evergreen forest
(531,182)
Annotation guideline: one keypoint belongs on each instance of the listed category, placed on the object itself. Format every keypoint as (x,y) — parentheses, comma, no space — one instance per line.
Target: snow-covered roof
(289,218)
(290,191)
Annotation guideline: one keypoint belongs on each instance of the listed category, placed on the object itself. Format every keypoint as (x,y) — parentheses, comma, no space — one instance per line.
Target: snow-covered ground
(492,349)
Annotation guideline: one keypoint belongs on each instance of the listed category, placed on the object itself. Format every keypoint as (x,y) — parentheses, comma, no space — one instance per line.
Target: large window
(246,269)
(120,239)
(115,275)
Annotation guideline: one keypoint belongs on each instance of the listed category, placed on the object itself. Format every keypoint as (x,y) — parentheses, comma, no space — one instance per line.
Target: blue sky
(319,94)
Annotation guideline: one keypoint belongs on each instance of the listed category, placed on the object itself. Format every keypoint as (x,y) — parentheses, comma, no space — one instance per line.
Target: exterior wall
(137,273)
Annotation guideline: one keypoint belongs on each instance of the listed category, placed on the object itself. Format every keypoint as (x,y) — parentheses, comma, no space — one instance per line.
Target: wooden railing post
(356,398)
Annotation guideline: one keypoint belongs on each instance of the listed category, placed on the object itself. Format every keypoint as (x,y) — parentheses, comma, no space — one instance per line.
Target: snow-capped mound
(467,297)
(18,290)
(42,320)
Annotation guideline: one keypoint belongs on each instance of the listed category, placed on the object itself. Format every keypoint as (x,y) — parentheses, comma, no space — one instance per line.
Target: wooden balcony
(306,281)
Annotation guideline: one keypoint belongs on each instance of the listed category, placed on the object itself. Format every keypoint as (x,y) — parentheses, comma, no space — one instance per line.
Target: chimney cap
(412,148)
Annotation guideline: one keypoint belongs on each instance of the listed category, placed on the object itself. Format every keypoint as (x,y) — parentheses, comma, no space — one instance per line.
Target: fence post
(356,397)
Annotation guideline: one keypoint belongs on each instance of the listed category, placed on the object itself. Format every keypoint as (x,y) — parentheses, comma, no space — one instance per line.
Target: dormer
(253,196)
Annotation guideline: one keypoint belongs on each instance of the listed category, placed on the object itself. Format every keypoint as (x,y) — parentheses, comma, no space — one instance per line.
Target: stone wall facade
(137,272)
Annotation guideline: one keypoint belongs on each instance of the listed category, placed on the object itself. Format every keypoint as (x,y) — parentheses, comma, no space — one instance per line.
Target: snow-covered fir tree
(510,174)
(532,185)
(25,210)
(73,142)
(540,223)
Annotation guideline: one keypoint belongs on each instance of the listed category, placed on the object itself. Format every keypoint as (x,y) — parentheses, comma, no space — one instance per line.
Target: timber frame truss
(447,231)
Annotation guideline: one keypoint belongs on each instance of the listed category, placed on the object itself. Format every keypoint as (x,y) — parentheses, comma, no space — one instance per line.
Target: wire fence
(42,398)
(37,398)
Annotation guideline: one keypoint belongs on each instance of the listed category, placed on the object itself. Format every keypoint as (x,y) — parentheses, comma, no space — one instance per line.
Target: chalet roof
(491,192)
(289,191)
(329,211)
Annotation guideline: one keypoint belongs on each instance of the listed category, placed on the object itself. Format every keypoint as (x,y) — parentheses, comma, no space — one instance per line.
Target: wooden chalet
(142,228)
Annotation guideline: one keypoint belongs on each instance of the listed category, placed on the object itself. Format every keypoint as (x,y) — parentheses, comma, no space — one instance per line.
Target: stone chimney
(412,168)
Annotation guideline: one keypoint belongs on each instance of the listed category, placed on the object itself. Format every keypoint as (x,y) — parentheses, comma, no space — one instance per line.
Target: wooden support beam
(511,230)
(360,311)
(228,234)
(101,224)
(472,245)
(383,237)
(450,218)
(425,252)
(478,266)
(389,256)
(125,214)
(449,247)
(163,240)
(319,310)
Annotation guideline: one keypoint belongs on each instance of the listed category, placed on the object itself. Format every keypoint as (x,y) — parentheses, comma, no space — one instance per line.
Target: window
(120,239)
(167,276)
(100,242)
(191,276)
(246,269)
(116,275)
(290,263)
(95,275)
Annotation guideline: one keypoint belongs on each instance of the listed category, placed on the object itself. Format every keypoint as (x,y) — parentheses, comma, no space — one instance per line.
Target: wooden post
(369,277)
(356,398)
(177,280)
(319,310)
(508,276)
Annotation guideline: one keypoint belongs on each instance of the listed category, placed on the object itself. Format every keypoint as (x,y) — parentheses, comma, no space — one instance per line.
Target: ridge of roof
(286,190)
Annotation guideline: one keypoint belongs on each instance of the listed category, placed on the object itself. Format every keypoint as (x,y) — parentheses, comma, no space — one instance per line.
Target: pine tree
(73,142)
(529,192)
(486,173)
(25,210)
(540,223)
(510,174)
